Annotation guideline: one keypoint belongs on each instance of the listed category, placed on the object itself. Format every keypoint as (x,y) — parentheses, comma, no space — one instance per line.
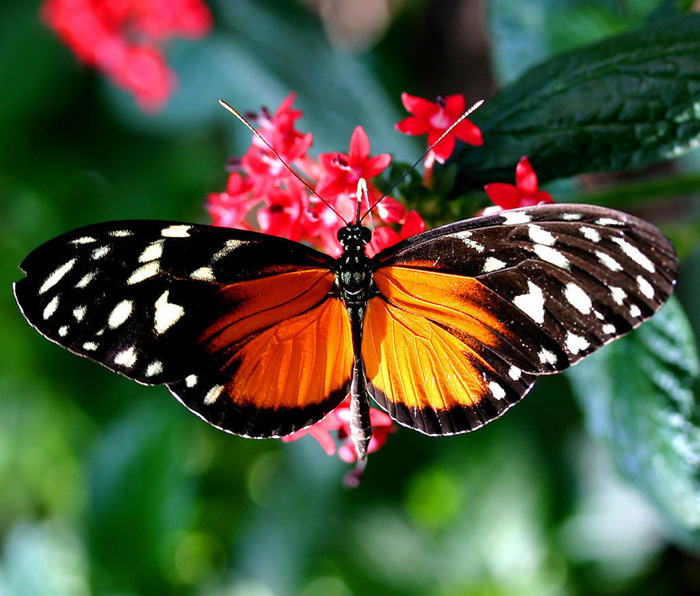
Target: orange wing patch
(284,341)
(437,347)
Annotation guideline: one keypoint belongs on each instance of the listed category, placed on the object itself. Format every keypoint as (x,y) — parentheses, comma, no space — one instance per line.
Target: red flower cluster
(283,204)
(122,38)
(339,420)
(433,119)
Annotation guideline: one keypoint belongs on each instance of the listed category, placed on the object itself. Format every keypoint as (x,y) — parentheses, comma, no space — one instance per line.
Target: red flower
(339,420)
(229,209)
(341,172)
(434,119)
(122,38)
(526,193)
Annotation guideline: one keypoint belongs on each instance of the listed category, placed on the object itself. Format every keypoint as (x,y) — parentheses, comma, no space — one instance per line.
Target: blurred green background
(110,488)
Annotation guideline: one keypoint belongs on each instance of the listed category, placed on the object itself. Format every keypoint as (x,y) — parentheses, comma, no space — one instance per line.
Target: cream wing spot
(635,312)
(90,346)
(213,394)
(608,261)
(191,380)
(121,233)
(144,272)
(154,368)
(83,240)
(120,313)
(229,246)
(166,313)
(496,390)
(512,218)
(540,235)
(152,252)
(551,255)
(576,343)
(63,330)
(635,254)
(578,298)
(100,252)
(618,295)
(86,279)
(51,307)
(532,303)
(56,276)
(547,357)
(590,233)
(645,287)
(79,312)
(203,274)
(176,231)
(609,329)
(514,373)
(465,237)
(126,357)
(492,264)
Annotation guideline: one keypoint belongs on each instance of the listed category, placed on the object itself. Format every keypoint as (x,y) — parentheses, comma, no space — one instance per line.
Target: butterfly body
(262,336)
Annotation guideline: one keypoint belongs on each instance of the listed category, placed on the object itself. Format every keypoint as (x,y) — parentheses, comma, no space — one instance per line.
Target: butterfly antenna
(277,155)
(476,106)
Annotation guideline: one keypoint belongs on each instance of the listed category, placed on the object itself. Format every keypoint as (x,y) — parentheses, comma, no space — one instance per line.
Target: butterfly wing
(229,320)
(469,314)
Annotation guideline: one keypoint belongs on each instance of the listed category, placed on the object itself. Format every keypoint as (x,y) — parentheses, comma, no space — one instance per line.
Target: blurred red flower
(122,38)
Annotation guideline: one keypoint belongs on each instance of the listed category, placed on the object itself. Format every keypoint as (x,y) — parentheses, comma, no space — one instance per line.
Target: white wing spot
(578,298)
(144,272)
(83,240)
(635,312)
(121,313)
(203,274)
(540,235)
(514,373)
(607,221)
(547,357)
(191,380)
(167,313)
(121,233)
(56,276)
(618,294)
(512,218)
(180,231)
(100,252)
(86,279)
(635,254)
(51,307)
(532,303)
(79,312)
(63,330)
(576,343)
(645,287)
(609,329)
(126,357)
(90,346)
(608,261)
(229,246)
(492,264)
(152,252)
(213,394)
(473,244)
(572,216)
(590,233)
(551,255)
(497,391)
(154,368)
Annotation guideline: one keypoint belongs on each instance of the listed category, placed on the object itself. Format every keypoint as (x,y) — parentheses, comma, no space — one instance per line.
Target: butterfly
(261,336)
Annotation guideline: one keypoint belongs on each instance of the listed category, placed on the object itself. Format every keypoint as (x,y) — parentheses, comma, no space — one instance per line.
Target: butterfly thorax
(353,272)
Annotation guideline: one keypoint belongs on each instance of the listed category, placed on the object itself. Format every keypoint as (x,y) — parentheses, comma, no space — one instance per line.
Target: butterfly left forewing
(186,305)
(546,285)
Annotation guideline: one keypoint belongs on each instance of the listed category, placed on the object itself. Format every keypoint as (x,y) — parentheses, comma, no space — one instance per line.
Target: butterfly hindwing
(545,286)
(148,299)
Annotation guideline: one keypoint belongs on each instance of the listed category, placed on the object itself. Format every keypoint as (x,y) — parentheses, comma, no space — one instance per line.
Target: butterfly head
(354,235)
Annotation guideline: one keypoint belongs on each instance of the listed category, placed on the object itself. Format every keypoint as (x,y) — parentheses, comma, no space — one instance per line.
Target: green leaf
(637,395)
(624,102)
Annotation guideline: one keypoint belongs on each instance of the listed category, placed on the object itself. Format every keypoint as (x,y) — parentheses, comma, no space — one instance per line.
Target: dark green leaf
(637,395)
(627,101)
